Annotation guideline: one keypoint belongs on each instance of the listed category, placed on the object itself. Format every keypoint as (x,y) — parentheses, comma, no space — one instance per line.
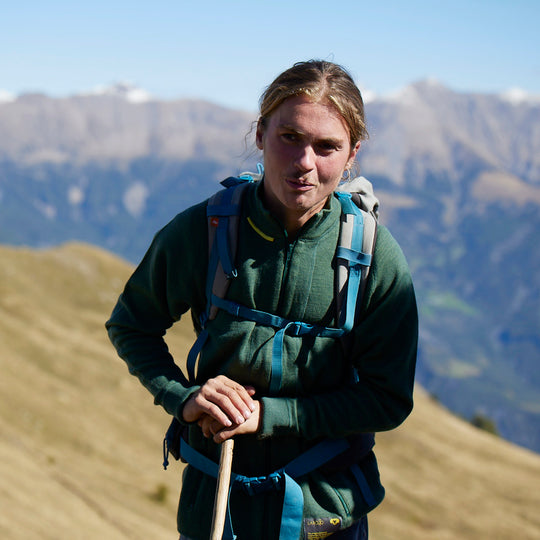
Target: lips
(298,184)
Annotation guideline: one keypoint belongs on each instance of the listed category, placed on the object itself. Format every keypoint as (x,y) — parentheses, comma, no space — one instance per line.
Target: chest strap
(283,326)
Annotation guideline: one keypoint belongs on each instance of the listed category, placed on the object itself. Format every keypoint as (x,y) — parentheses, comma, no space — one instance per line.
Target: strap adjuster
(261,484)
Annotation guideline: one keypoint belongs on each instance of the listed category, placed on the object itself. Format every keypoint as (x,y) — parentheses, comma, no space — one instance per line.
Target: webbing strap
(294,328)
(222,211)
(364,486)
(316,456)
(293,508)
(280,480)
(356,259)
(283,326)
(243,312)
(221,208)
(194,353)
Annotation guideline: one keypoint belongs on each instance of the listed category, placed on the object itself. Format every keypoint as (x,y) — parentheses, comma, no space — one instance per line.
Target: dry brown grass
(80,442)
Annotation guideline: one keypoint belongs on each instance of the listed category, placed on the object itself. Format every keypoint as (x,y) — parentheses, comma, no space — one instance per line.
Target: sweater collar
(264,222)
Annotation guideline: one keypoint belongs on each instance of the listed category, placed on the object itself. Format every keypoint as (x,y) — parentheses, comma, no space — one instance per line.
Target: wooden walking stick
(222,489)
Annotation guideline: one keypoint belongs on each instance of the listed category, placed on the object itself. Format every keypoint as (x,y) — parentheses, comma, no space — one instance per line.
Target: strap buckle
(261,484)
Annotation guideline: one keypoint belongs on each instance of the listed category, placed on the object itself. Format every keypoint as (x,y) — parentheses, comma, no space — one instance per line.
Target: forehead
(318,119)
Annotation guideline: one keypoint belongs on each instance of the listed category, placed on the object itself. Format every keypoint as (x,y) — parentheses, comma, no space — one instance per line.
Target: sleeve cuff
(175,397)
(279,417)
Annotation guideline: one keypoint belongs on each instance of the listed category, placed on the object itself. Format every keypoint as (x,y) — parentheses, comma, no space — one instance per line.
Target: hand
(223,400)
(220,433)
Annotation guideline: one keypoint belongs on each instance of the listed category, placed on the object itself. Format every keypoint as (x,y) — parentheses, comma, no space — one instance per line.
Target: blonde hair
(319,80)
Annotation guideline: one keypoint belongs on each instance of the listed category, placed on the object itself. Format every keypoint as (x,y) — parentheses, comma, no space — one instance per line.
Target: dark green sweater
(295,280)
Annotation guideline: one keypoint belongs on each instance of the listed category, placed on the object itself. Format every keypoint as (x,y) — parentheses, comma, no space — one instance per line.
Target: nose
(305,158)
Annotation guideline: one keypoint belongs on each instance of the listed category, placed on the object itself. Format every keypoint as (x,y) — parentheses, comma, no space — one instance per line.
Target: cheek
(332,169)
(278,153)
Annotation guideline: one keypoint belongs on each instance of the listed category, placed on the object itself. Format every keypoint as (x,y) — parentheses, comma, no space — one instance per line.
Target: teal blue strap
(351,302)
(356,258)
(293,502)
(233,181)
(198,460)
(194,353)
(243,312)
(293,509)
(223,210)
(220,252)
(316,456)
(293,328)
(364,486)
(222,241)
(283,326)
(277,361)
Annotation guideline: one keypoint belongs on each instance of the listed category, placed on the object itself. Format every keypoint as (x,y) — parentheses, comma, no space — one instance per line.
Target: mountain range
(458,176)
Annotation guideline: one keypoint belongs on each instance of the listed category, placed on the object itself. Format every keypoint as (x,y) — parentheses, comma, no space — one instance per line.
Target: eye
(328,147)
(289,137)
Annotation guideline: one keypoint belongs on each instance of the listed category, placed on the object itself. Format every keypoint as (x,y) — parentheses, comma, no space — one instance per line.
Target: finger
(243,393)
(229,432)
(209,426)
(203,424)
(218,412)
(232,398)
(199,406)
(250,426)
(250,390)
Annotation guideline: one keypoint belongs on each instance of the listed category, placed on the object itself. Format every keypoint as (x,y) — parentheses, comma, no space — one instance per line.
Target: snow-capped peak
(518,95)
(127,90)
(6,97)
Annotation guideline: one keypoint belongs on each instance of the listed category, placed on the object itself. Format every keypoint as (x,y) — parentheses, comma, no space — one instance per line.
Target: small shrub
(160,494)
(483,422)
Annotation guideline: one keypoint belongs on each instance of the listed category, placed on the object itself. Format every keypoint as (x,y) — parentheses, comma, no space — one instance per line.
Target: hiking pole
(222,489)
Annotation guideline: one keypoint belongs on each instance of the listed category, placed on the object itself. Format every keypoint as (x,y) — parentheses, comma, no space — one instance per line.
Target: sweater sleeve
(162,288)
(383,352)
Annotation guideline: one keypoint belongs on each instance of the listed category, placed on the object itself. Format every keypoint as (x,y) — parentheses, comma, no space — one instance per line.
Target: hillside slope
(80,442)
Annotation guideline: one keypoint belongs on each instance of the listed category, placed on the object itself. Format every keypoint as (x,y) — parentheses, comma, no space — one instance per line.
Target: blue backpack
(353,259)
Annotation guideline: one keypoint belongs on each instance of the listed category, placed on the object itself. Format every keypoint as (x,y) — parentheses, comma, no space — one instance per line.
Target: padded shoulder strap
(223,213)
(355,249)
(361,190)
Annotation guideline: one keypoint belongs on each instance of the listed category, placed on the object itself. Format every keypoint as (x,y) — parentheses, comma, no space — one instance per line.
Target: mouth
(298,184)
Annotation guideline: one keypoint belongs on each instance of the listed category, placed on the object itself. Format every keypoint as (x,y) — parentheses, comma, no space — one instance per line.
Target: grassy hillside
(80,441)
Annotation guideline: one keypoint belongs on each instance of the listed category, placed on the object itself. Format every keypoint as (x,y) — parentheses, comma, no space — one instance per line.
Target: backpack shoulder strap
(355,247)
(223,213)
(223,216)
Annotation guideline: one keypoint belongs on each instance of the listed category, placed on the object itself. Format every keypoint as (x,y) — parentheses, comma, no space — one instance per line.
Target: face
(306,148)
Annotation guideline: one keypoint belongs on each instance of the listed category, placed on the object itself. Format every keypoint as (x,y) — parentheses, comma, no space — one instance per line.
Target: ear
(352,155)
(259,134)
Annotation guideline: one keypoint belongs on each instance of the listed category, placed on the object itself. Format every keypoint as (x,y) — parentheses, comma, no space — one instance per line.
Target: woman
(310,129)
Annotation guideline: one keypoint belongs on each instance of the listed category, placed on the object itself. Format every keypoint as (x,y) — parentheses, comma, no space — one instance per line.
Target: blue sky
(227,52)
